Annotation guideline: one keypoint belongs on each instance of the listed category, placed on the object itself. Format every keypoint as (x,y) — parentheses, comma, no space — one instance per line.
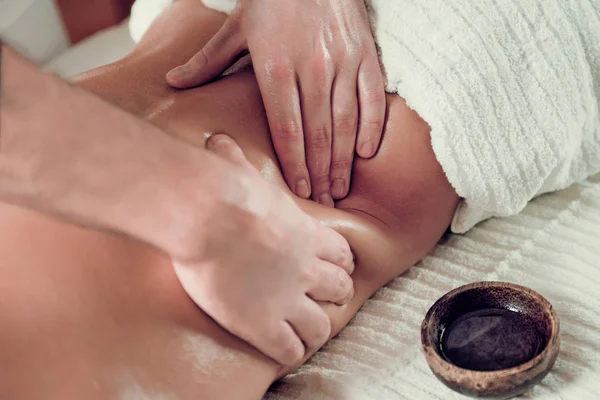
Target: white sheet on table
(102,48)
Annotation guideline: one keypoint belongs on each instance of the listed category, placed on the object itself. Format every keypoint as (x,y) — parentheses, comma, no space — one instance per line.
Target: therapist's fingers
(281,343)
(311,324)
(315,89)
(332,284)
(217,55)
(332,247)
(372,103)
(277,81)
(345,119)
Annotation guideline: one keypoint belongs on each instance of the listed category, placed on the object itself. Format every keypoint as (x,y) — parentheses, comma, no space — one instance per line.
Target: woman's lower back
(86,314)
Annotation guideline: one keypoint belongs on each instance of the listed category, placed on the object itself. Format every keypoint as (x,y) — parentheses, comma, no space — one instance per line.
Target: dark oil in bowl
(491,339)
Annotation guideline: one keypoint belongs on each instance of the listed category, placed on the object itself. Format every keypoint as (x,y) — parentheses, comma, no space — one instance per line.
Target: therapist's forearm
(66,152)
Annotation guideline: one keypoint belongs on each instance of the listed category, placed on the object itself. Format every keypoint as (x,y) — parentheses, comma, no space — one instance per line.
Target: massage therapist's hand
(320,79)
(243,250)
(263,265)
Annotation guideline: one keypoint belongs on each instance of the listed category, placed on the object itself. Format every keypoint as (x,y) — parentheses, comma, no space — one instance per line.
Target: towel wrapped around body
(510,89)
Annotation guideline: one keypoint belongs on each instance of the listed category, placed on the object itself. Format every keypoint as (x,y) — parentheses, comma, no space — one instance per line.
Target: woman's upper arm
(370,240)
(399,206)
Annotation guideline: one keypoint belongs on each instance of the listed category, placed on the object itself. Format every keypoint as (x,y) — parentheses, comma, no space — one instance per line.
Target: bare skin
(316,65)
(87,314)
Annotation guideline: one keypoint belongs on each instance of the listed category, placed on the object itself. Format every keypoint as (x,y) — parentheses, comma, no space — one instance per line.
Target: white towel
(510,89)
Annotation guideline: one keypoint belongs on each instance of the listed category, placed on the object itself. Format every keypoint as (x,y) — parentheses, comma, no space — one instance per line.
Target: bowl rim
(430,352)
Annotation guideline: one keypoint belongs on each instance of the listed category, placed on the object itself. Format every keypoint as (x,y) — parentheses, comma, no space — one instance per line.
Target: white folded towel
(510,89)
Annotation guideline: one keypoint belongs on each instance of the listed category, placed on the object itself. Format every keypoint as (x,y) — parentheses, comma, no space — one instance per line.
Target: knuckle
(374,96)
(322,331)
(375,125)
(347,255)
(341,280)
(344,287)
(289,131)
(279,69)
(296,168)
(343,57)
(356,50)
(352,50)
(341,164)
(321,67)
(320,177)
(345,125)
(309,276)
(293,353)
(366,45)
(319,138)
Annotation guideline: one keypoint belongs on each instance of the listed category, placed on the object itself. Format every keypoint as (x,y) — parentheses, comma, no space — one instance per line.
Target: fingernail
(326,200)
(178,73)
(338,188)
(366,149)
(302,189)
(216,141)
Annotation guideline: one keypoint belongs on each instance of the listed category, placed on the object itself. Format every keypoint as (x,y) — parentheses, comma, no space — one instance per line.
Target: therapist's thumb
(216,56)
(227,148)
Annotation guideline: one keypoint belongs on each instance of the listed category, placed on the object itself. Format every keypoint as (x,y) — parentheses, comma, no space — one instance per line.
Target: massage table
(553,247)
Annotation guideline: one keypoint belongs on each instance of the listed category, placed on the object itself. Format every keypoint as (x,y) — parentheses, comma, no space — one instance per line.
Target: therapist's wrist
(173,205)
(69,153)
(208,199)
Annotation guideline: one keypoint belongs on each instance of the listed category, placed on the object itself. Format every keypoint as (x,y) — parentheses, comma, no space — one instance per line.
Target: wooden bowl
(491,339)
